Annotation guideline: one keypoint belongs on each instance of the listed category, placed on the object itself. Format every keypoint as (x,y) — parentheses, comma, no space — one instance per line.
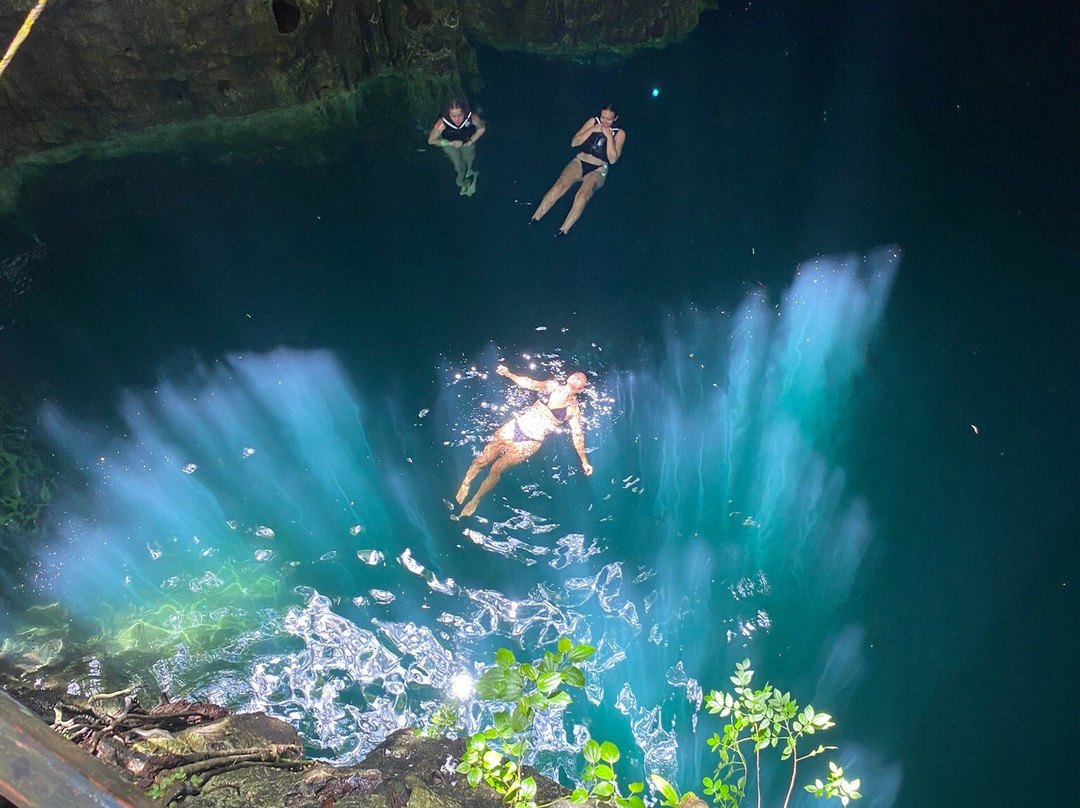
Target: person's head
(608,114)
(456,111)
(577,382)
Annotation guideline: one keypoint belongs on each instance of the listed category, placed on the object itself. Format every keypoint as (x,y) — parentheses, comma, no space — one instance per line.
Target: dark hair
(611,107)
(456,103)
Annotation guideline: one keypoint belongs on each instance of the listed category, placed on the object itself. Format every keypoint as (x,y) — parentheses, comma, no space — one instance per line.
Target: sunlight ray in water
(256,536)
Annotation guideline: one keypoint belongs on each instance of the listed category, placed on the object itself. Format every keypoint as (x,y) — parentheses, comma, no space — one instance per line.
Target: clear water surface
(825,301)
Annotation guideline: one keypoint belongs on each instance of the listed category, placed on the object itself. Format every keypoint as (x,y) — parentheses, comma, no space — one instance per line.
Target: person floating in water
(599,143)
(519,438)
(457,131)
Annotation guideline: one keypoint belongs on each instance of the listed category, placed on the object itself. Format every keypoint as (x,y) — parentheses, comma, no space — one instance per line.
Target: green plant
(765,719)
(496,755)
(442,722)
(161,788)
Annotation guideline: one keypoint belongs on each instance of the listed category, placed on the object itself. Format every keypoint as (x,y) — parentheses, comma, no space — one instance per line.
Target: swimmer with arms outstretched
(519,438)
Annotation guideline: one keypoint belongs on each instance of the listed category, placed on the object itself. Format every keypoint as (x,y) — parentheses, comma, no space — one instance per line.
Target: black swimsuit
(595,146)
(463,133)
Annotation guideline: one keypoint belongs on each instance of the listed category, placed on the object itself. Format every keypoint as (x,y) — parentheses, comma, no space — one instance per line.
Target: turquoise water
(824,305)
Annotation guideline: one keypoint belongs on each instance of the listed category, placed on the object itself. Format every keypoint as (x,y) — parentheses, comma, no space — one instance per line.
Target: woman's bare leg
(517,453)
(569,175)
(468,155)
(457,160)
(589,185)
(494,448)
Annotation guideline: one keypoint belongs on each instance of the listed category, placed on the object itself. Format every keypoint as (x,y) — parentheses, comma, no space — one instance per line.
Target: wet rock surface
(188,755)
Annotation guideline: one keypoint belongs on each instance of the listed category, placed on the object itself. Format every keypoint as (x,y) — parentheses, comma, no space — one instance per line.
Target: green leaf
(492,685)
(474,777)
(579,653)
(492,759)
(519,720)
(547,682)
(634,788)
(670,795)
(528,671)
(514,685)
(527,789)
(605,772)
(560,698)
(565,645)
(609,752)
(504,658)
(591,751)
(574,677)
(462,768)
(604,790)
(579,796)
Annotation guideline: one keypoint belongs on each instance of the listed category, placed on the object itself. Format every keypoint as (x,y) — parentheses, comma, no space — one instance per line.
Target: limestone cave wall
(92,69)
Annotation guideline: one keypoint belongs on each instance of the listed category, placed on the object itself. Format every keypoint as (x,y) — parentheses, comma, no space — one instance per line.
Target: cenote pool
(826,308)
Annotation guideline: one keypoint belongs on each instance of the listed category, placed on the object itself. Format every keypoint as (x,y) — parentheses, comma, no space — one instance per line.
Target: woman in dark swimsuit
(457,131)
(519,438)
(599,143)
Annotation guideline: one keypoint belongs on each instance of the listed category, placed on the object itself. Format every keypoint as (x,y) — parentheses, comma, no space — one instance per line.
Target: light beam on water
(304,563)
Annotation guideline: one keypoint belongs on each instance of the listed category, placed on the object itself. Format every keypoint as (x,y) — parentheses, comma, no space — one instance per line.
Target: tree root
(112,736)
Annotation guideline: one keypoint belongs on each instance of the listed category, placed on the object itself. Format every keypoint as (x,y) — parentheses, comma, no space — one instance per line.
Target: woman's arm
(614,145)
(583,133)
(435,137)
(577,435)
(481,127)
(523,381)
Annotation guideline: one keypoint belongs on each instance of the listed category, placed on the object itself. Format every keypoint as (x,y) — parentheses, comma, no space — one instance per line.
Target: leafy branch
(759,720)
(496,755)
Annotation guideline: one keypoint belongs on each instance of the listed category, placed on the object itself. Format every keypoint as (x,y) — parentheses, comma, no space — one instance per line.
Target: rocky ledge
(200,756)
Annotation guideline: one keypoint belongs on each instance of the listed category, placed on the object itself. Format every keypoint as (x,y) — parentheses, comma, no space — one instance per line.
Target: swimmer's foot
(533,221)
(470,508)
(462,493)
(560,233)
(470,183)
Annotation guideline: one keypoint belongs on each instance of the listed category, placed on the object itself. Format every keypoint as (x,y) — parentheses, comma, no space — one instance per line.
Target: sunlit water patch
(261,535)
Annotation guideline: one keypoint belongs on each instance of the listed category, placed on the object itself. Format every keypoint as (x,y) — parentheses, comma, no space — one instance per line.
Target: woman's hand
(502,370)
(586,467)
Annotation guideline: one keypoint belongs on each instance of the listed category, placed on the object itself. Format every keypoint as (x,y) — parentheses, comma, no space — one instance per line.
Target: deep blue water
(875,502)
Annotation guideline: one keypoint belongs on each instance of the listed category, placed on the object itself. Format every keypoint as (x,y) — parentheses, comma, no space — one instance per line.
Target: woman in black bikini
(519,438)
(599,143)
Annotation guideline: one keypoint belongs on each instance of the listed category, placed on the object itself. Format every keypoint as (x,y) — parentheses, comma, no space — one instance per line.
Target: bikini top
(463,132)
(596,145)
(558,412)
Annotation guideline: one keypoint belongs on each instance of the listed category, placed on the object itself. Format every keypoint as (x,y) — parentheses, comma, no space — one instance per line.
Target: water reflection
(260,535)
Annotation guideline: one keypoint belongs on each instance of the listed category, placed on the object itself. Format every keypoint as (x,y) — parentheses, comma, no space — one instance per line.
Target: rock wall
(579,28)
(104,78)
(91,69)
